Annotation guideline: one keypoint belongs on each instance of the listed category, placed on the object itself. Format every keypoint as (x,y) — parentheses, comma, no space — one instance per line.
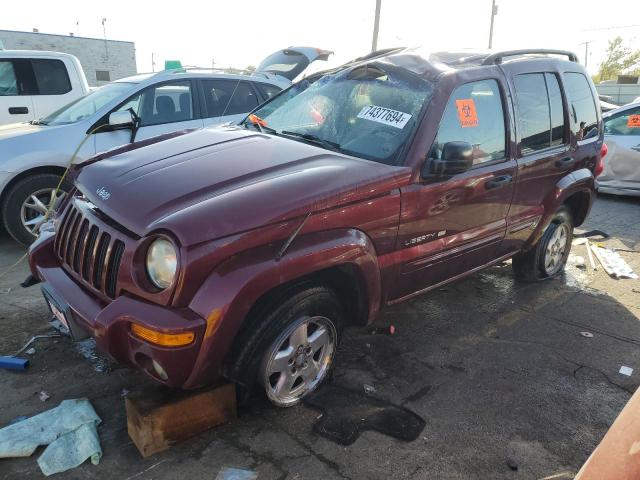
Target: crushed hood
(216,182)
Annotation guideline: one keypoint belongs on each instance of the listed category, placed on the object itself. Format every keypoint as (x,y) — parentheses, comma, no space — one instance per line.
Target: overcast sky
(241,33)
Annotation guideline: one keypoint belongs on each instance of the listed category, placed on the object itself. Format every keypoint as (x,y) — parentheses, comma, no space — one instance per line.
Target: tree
(619,60)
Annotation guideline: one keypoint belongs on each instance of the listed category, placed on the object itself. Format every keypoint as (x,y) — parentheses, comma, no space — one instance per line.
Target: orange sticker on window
(467,113)
(633,121)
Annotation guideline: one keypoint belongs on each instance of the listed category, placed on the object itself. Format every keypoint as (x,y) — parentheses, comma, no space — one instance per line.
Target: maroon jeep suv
(243,251)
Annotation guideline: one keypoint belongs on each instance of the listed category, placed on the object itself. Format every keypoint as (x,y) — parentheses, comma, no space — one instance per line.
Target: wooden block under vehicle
(158,417)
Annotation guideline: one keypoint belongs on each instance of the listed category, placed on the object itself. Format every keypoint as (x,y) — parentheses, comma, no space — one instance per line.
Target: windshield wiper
(260,124)
(37,122)
(313,138)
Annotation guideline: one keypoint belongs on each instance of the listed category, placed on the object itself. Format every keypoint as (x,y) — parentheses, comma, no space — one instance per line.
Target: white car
(33,84)
(34,155)
(621,175)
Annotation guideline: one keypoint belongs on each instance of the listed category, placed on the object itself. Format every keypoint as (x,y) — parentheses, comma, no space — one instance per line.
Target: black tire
(16,197)
(529,266)
(267,326)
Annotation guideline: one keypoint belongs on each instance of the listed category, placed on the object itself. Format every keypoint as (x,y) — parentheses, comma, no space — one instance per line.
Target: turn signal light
(162,339)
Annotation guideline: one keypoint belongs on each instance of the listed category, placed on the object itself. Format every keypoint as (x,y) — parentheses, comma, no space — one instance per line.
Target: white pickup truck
(34,84)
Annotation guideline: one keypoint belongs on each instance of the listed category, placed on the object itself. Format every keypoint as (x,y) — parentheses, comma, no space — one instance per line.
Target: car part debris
(585,241)
(613,263)
(626,371)
(348,413)
(32,340)
(13,363)
(69,430)
(236,474)
(592,233)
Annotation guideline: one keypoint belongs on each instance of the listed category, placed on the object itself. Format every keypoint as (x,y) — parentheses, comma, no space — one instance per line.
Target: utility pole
(104,32)
(586,53)
(494,12)
(376,27)
(153,63)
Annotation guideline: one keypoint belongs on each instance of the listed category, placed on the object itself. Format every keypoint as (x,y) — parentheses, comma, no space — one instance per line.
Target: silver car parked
(621,175)
(34,155)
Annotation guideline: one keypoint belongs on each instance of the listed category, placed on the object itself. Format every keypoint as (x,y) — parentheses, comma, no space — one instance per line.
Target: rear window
(51,77)
(268,91)
(228,97)
(582,107)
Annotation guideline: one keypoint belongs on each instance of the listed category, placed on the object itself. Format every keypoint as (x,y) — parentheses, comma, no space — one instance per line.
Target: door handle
(498,182)
(565,162)
(18,110)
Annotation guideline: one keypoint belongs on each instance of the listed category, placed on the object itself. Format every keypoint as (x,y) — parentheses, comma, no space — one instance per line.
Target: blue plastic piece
(14,363)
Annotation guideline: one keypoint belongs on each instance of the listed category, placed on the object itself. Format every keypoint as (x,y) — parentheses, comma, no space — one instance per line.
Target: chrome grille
(89,251)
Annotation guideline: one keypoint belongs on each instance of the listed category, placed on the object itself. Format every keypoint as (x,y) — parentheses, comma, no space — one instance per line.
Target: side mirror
(122,119)
(457,157)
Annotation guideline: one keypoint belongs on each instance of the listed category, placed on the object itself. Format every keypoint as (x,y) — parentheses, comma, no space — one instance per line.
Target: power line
(608,28)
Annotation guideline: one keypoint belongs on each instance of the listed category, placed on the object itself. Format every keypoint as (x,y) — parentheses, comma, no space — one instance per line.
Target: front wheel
(27,203)
(549,256)
(289,350)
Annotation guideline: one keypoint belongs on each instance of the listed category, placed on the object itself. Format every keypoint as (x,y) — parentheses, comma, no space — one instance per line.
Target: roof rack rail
(496,58)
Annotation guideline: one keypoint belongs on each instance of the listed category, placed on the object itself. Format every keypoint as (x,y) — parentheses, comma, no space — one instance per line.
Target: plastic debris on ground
(626,371)
(236,474)
(44,396)
(69,430)
(369,388)
(587,334)
(613,263)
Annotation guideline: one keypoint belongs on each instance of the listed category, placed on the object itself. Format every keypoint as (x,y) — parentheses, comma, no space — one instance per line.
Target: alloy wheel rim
(556,250)
(299,359)
(33,212)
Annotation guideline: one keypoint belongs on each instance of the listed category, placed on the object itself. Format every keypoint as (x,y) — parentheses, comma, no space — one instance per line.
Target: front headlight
(162,262)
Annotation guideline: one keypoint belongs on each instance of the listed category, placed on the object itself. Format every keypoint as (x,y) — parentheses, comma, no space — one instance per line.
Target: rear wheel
(549,256)
(27,203)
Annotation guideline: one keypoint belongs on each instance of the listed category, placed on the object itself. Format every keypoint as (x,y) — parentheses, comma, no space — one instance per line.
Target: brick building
(102,60)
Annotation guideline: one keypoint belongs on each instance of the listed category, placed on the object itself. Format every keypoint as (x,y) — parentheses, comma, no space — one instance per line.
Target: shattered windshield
(367,111)
(86,106)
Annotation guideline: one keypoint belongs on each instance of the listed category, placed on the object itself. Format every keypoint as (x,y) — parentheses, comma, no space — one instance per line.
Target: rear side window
(268,91)
(228,97)
(474,114)
(540,111)
(8,82)
(51,77)
(582,107)
(626,123)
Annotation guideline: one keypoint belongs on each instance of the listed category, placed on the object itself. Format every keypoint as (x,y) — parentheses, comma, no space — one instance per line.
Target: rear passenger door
(226,100)
(544,152)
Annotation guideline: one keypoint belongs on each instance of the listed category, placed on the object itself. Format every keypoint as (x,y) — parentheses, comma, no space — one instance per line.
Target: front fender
(578,181)
(228,294)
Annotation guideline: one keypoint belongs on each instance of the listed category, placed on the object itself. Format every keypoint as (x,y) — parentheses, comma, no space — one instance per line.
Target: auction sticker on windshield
(393,118)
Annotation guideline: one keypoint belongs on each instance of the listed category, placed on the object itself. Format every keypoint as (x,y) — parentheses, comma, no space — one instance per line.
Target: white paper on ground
(626,371)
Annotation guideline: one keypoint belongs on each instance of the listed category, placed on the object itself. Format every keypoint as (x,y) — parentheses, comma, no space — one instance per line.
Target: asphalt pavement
(507,381)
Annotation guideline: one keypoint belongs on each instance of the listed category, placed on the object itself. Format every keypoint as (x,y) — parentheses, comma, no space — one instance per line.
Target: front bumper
(109,322)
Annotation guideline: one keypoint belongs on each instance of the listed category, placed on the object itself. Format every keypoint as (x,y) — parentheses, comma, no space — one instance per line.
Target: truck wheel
(549,256)
(295,344)
(26,205)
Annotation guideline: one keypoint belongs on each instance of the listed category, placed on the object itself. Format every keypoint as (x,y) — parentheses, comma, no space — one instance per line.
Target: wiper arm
(312,138)
(37,122)
(260,124)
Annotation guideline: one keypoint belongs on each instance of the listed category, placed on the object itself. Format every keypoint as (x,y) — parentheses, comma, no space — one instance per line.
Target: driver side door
(452,225)
(163,108)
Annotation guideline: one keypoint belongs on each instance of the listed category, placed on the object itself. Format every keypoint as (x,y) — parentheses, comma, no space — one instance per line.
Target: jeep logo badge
(103,193)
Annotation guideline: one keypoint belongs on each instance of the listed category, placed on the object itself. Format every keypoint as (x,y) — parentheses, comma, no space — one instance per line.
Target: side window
(267,90)
(540,111)
(582,107)
(474,114)
(51,77)
(228,97)
(165,103)
(557,109)
(533,112)
(626,123)
(8,82)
